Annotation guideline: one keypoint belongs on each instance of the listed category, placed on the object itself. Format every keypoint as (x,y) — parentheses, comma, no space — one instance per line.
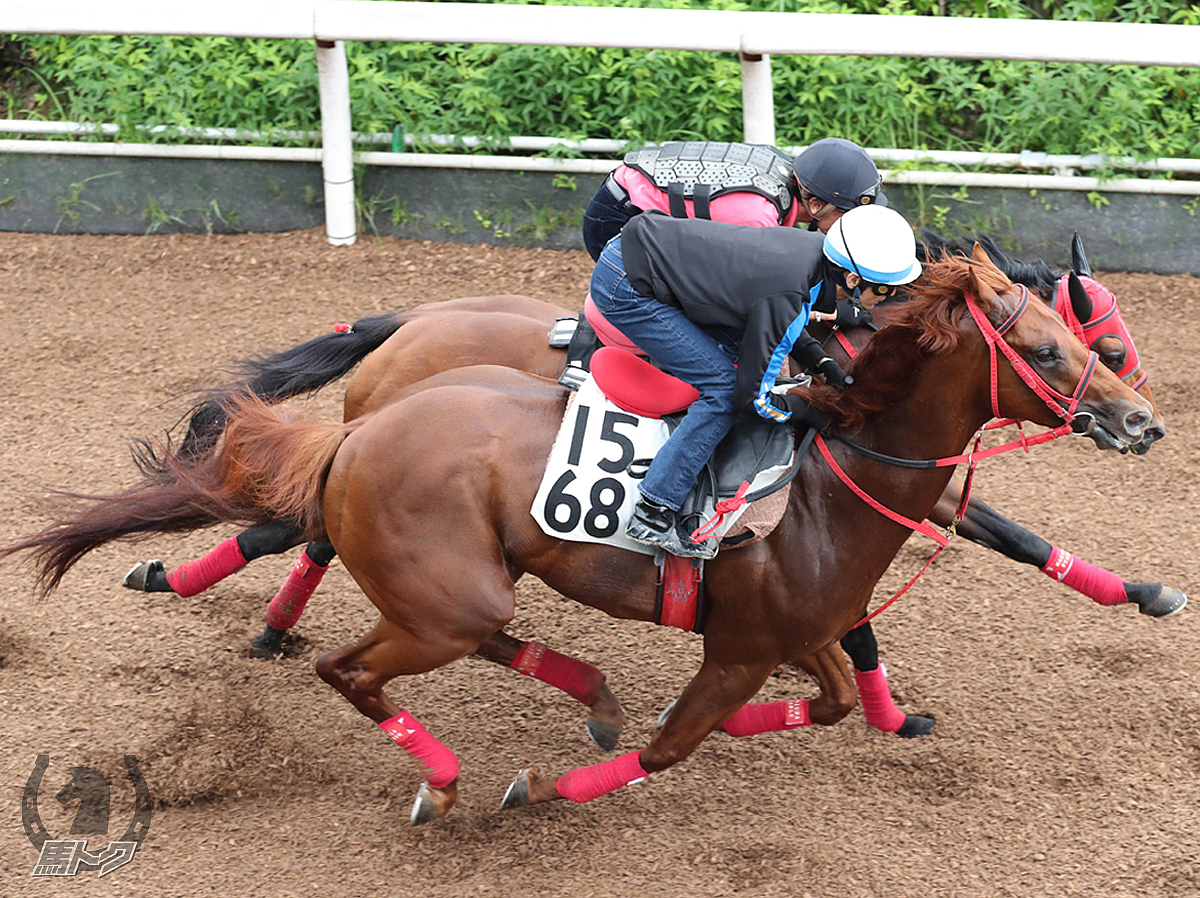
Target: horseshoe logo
(36,831)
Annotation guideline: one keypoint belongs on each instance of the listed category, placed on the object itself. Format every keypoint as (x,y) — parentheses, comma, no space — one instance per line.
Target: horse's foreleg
(714,694)
(879,708)
(580,680)
(288,604)
(984,525)
(838,695)
(359,672)
(837,699)
(193,577)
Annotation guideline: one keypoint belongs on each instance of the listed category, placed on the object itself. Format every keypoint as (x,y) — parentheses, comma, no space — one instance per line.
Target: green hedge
(634,95)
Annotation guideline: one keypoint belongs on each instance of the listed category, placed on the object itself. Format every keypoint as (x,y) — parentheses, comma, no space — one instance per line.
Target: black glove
(851,314)
(809,353)
(833,373)
(802,411)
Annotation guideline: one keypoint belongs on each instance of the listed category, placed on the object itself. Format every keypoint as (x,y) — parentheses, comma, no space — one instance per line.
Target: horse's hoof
(1168,602)
(141,575)
(914,725)
(517,795)
(604,736)
(423,809)
(267,645)
(666,712)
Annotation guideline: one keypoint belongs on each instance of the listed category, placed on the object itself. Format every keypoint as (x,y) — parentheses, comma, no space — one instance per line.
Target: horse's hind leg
(230,556)
(580,680)
(987,527)
(359,672)
(285,608)
(714,694)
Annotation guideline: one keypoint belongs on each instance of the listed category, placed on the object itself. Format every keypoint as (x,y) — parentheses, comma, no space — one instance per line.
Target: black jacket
(760,282)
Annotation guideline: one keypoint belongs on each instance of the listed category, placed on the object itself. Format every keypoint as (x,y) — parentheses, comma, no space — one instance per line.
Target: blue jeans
(603,219)
(682,349)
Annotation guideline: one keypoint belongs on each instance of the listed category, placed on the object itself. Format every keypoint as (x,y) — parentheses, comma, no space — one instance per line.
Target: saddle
(621,371)
(602,361)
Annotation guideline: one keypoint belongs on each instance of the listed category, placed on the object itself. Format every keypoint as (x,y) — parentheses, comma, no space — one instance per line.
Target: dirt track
(1066,759)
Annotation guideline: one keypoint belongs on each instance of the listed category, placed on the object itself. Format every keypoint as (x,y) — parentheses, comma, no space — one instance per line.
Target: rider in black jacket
(664,279)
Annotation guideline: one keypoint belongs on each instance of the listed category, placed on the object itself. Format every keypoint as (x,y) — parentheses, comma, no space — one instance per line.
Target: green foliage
(635,95)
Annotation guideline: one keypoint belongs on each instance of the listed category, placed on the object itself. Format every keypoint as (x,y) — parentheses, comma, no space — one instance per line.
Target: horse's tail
(268,468)
(293,372)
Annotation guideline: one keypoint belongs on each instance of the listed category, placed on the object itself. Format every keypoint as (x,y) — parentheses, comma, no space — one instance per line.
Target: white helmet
(876,243)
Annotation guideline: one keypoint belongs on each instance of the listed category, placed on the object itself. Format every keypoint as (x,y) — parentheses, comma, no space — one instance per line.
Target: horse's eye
(1046,355)
(1114,359)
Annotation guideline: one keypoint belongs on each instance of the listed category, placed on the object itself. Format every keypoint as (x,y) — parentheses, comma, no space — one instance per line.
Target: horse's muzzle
(1138,426)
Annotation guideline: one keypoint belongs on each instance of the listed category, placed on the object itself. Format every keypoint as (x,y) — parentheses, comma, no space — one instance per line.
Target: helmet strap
(850,255)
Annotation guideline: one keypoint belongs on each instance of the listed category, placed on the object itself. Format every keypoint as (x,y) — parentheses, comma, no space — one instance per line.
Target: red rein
(1061,405)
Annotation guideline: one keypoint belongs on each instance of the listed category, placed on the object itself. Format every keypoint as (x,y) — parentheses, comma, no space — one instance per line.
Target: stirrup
(671,541)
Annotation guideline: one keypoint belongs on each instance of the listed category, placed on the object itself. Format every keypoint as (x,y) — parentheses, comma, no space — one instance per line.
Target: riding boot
(655,525)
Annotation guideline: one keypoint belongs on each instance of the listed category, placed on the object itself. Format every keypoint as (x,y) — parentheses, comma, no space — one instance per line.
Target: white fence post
(758,99)
(337,161)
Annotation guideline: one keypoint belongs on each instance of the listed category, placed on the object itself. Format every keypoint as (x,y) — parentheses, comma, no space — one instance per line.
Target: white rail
(1026,159)
(754,36)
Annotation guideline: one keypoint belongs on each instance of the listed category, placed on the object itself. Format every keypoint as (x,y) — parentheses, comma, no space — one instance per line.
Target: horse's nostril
(1135,422)
(1153,434)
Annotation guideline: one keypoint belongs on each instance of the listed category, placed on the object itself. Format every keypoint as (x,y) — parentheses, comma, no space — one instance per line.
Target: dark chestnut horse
(438,542)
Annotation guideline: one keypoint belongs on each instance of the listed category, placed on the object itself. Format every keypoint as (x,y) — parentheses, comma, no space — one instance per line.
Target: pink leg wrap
(441,765)
(1104,587)
(878,708)
(193,577)
(768,717)
(585,783)
(287,606)
(577,679)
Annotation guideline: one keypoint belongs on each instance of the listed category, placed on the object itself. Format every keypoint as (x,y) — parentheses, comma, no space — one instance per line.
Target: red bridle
(1060,404)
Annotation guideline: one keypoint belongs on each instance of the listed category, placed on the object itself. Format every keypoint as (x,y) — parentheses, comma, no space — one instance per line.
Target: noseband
(1060,404)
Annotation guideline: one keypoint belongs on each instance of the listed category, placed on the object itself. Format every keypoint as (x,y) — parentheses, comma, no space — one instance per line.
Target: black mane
(1038,276)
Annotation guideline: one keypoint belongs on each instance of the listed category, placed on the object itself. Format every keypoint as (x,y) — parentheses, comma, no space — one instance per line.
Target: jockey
(738,183)
(662,281)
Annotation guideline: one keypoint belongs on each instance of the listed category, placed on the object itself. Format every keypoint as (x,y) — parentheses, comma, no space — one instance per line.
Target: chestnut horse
(511,331)
(438,542)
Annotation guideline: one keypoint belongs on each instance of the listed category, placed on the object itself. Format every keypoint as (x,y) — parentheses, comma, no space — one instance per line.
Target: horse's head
(1091,312)
(1088,307)
(1051,377)
(86,784)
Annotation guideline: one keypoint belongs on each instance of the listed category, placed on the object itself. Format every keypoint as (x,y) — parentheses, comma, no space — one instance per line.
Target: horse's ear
(986,295)
(1080,301)
(1079,261)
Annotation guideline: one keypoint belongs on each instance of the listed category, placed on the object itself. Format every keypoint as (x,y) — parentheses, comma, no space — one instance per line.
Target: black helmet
(839,172)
